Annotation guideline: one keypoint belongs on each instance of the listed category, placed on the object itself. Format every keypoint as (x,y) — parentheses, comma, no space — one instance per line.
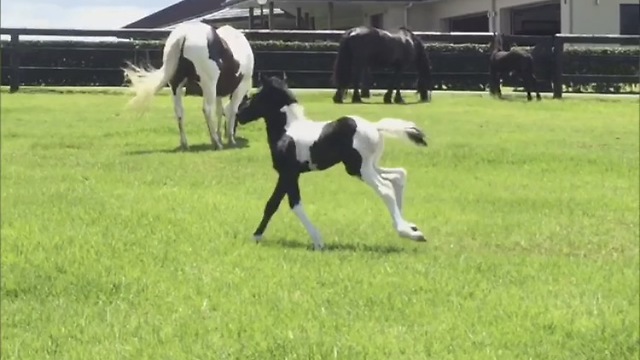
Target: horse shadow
(337,247)
(241,143)
(519,97)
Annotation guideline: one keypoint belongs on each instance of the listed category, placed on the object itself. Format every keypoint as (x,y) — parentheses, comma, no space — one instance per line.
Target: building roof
(178,12)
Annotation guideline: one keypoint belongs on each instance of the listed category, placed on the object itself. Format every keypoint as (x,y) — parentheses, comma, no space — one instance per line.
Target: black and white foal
(300,145)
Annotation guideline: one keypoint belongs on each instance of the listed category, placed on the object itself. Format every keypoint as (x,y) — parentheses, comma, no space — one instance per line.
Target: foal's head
(268,102)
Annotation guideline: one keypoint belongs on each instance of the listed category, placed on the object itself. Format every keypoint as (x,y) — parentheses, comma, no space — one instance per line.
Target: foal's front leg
(293,192)
(270,208)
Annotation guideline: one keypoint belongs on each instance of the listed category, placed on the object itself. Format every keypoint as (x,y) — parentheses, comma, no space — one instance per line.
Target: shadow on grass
(241,143)
(406,103)
(290,244)
(517,97)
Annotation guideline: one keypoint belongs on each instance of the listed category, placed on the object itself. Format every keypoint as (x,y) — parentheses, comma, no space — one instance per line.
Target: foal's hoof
(257,238)
(413,233)
(419,237)
(337,100)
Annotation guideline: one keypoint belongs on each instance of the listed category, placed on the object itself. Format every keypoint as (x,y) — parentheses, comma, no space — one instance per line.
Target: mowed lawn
(115,246)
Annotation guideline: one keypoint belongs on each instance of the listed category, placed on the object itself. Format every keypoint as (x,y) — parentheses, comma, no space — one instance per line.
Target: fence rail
(556,45)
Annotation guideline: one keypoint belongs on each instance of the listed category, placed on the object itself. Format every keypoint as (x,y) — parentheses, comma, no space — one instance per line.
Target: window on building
(376,21)
(629,19)
(477,23)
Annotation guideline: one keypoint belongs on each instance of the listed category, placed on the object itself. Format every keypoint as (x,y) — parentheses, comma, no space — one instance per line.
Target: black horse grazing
(299,145)
(363,47)
(502,62)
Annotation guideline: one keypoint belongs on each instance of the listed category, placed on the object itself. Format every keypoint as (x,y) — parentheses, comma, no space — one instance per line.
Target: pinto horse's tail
(145,83)
(342,64)
(403,129)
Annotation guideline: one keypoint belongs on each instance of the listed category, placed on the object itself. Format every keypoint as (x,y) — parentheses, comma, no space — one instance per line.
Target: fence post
(558,51)
(15,63)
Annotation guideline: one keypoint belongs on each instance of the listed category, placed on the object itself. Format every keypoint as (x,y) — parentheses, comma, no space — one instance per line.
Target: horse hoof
(257,238)
(318,247)
(420,238)
(337,101)
(399,101)
(356,101)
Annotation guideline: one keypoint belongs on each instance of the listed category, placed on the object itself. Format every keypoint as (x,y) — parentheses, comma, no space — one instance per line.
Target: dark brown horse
(513,61)
(363,48)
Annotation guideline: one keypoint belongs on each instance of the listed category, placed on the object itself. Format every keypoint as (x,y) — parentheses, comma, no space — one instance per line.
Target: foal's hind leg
(385,190)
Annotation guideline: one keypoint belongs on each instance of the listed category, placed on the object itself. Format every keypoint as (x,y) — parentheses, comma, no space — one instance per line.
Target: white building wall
(577,16)
(591,17)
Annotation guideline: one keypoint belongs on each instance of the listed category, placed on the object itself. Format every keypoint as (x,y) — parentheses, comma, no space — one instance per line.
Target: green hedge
(576,60)
(317,46)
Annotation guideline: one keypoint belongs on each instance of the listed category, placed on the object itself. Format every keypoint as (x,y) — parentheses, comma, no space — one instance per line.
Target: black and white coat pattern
(219,60)
(299,145)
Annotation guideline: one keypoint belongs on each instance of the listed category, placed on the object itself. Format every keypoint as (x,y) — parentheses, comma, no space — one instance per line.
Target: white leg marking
(313,232)
(398,178)
(208,107)
(232,108)
(385,190)
(179,111)
(219,114)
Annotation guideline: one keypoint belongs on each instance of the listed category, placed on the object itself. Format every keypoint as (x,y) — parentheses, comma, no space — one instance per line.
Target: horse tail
(402,129)
(342,64)
(145,83)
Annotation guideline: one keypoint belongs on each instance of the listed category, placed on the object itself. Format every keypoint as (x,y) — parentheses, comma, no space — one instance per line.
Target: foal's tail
(145,83)
(403,129)
(342,64)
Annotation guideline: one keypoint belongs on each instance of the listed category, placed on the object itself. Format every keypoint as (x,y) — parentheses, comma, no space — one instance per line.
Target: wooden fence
(554,44)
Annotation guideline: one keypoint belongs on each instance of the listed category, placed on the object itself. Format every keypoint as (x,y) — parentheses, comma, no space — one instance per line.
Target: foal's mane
(294,111)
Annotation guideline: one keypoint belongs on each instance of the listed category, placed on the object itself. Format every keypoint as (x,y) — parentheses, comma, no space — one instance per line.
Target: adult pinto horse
(219,60)
(364,47)
(513,61)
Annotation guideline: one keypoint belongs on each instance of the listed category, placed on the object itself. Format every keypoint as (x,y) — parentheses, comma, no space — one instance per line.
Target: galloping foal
(220,60)
(299,145)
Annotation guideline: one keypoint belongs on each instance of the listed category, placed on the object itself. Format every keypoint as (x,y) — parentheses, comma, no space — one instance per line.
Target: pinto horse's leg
(232,109)
(219,114)
(208,107)
(293,192)
(179,111)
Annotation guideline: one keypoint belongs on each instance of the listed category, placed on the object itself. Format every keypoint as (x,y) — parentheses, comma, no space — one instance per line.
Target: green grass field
(114,246)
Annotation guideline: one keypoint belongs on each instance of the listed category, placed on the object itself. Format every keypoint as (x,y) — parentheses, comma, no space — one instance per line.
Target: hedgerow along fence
(460,60)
